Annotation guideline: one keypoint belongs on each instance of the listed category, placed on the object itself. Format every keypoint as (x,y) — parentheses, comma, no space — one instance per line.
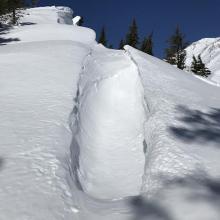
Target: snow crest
(109,128)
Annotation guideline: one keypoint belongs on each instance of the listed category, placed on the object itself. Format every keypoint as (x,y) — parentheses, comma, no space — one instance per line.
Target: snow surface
(110,125)
(90,133)
(39,77)
(76,20)
(209,49)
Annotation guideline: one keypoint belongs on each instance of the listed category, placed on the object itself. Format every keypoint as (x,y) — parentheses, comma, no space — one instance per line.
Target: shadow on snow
(198,126)
(3,40)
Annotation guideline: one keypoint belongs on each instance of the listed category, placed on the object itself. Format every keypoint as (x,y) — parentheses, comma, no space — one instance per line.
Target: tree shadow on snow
(198,126)
(202,189)
(27,23)
(198,190)
(4,40)
(144,209)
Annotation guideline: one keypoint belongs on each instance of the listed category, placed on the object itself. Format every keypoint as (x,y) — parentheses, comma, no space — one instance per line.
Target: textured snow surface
(36,99)
(209,49)
(110,125)
(90,133)
(39,77)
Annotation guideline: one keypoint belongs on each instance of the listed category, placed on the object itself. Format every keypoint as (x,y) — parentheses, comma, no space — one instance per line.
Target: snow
(76,20)
(91,133)
(38,82)
(110,126)
(182,135)
(48,15)
(209,49)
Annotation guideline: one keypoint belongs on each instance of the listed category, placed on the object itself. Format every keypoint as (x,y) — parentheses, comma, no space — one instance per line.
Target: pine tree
(147,45)
(181,58)
(102,38)
(121,44)
(175,53)
(132,38)
(3,6)
(12,6)
(199,68)
(194,65)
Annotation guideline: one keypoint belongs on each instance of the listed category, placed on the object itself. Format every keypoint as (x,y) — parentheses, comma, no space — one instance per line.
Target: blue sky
(196,18)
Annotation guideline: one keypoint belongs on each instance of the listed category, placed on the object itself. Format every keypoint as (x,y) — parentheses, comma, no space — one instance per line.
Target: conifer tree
(199,68)
(12,6)
(175,53)
(132,37)
(121,44)
(147,45)
(102,38)
(3,6)
(194,65)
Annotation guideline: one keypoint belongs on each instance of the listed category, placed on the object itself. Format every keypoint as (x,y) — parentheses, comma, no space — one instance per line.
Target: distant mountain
(209,49)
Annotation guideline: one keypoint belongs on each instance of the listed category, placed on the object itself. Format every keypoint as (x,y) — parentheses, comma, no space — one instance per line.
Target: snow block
(65,15)
(110,126)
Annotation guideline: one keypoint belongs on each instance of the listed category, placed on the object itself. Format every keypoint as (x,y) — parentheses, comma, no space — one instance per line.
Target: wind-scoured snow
(209,49)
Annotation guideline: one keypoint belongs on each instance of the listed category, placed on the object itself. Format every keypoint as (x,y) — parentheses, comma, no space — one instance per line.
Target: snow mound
(209,49)
(46,24)
(110,126)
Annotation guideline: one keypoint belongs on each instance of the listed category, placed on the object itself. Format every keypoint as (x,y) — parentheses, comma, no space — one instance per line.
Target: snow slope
(180,178)
(182,134)
(38,82)
(90,133)
(209,49)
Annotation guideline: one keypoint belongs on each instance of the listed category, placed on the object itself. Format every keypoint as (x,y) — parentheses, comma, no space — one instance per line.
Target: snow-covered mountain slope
(184,114)
(181,140)
(209,49)
(39,75)
(90,133)
(45,24)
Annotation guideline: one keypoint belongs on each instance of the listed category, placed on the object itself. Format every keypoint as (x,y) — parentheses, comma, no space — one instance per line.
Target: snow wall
(65,15)
(109,128)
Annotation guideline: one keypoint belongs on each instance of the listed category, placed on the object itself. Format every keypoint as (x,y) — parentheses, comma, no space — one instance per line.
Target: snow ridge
(110,141)
(148,112)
